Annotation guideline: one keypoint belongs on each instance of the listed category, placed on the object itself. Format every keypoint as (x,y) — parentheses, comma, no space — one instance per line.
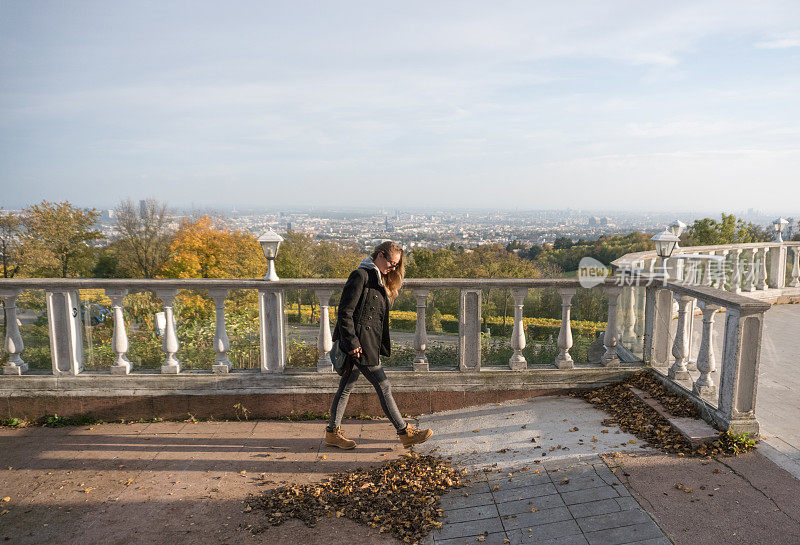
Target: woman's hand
(356,352)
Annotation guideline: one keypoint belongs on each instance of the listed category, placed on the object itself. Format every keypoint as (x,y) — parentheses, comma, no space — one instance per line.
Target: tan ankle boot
(413,436)
(336,439)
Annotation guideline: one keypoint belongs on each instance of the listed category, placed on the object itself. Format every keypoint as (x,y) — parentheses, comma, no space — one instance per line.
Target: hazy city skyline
(615,106)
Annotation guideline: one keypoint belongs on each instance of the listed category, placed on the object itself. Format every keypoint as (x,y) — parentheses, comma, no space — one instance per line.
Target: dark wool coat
(363,316)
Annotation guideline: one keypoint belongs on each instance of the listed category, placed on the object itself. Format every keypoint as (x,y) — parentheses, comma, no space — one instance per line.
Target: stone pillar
(64,325)
(469,330)
(564,359)
(680,348)
(736,271)
(706,364)
(777,269)
(610,358)
(119,339)
(13,341)
(749,270)
(741,353)
(272,331)
(221,344)
(420,333)
(171,365)
(658,317)
(324,339)
(761,272)
(795,267)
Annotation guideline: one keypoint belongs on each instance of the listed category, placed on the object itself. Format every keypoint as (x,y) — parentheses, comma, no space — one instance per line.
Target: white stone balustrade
(738,365)
(795,282)
(750,267)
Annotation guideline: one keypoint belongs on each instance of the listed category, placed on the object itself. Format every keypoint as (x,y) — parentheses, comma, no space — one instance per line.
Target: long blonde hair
(394,280)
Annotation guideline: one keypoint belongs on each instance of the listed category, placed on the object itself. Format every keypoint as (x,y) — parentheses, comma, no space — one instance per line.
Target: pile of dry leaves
(635,416)
(401,497)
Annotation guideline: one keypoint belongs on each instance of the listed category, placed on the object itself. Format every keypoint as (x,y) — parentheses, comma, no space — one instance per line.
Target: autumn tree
(143,245)
(202,250)
(10,248)
(56,239)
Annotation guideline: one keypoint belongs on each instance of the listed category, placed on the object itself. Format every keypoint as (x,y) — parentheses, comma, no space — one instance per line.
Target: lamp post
(665,243)
(779,225)
(677,227)
(270,241)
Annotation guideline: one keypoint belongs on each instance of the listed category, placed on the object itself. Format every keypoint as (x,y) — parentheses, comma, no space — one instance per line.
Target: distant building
(143,209)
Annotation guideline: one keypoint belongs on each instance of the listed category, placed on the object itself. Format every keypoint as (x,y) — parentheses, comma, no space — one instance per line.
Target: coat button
(367,327)
(372,308)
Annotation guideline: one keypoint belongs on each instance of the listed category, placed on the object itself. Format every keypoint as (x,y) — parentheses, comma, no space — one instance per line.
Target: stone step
(695,430)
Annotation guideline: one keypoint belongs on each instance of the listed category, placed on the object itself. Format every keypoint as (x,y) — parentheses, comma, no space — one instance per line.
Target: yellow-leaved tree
(202,250)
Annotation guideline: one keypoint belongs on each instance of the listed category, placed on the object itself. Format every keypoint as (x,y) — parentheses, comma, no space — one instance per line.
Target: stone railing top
(289,283)
(723,298)
(631,258)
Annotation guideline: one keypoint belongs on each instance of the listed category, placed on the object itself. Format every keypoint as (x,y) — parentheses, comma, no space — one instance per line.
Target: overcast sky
(635,105)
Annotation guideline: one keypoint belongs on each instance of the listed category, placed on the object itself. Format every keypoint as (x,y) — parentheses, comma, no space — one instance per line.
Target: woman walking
(362,329)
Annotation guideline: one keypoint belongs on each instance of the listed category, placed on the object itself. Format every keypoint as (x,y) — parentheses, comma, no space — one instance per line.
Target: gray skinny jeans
(377,377)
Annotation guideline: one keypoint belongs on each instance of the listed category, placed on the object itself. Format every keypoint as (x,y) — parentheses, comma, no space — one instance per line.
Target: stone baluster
(795,282)
(706,281)
(629,334)
(736,271)
(221,344)
(610,358)
(324,339)
(749,270)
(719,270)
(171,364)
(706,362)
(420,333)
(13,341)
(680,348)
(762,270)
(517,361)
(119,338)
(639,318)
(564,359)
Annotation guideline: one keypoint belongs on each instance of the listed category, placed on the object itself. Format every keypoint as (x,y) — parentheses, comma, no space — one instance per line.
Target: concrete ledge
(207,395)
(696,431)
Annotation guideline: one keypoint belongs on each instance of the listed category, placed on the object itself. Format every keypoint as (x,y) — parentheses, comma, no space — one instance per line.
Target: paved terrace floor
(158,483)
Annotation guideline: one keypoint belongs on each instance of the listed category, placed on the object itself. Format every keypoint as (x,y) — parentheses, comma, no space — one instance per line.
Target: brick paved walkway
(561,502)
